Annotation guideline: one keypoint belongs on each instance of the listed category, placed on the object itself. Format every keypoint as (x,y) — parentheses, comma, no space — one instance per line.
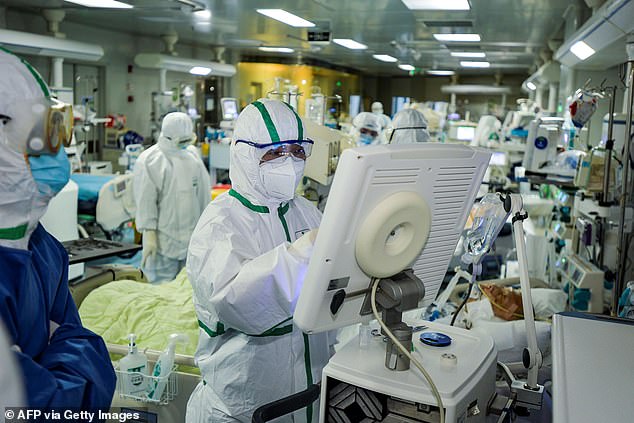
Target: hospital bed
(114,308)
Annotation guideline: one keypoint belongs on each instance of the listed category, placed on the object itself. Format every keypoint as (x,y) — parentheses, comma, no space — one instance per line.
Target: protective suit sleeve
(204,194)
(73,371)
(74,368)
(237,287)
(146,193)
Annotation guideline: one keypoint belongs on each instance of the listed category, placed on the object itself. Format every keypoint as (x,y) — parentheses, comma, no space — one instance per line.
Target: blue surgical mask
(51,173)
(365,139)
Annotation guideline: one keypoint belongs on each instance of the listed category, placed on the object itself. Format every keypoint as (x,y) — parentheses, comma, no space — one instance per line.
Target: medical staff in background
(246,262)
(377,110)
(171,190)
(367,129)
(62,364)
(408,127)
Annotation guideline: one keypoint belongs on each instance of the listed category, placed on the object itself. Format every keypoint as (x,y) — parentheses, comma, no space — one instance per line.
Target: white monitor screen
(465,133)
(229,108)
(498,159)
(385,204)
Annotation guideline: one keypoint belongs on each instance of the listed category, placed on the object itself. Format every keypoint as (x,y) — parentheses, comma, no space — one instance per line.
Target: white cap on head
(377,107)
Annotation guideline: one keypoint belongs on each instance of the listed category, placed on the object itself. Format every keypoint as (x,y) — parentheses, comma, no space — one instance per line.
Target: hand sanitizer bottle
(163,368)
(133,369)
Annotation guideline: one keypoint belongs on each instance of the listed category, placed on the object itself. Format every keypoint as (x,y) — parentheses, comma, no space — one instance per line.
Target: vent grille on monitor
(451,189)
(395,176)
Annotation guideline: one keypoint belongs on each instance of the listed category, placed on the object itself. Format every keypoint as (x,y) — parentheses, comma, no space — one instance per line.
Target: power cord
(466,298)
(432,385)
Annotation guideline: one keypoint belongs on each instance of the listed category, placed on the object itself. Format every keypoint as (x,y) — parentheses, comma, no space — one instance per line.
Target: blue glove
(51,173)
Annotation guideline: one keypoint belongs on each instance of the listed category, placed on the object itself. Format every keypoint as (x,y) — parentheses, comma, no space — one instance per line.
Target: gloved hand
(303,246)
(150,245)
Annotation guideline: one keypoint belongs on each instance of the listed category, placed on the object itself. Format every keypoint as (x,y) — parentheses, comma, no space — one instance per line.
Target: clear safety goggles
(39,126)
(184,142)
(299,149)
(393,130)
(368,131)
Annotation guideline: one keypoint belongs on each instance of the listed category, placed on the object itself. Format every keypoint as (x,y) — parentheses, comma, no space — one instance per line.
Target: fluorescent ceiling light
(472,54)
(407,67)
(458,37)
(531,86)
(385,58)
(437,4)
(581,50)
(440,72)
(200,70)
(348,43)
(203,14)
(475,64)
(105,4)
(276,49)
(285,17)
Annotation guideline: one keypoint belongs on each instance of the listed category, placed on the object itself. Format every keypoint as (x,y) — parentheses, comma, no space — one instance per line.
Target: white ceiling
(512,31)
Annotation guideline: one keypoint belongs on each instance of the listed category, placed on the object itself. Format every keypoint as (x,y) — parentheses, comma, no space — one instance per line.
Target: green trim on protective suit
(35,73)
(309,375)
(300,125)
(14,233)
(220,329)
(270,126)
(281,211)
(274,331)
(246,203)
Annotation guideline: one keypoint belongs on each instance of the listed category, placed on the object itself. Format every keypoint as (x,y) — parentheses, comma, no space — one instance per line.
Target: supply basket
(142,387)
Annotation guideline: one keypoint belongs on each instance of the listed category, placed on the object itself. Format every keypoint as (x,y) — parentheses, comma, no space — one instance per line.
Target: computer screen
(229,108)
(465,133)
(390,208)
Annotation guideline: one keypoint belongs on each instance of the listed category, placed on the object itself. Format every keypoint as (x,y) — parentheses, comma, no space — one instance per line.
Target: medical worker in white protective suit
(377,110)
(408,127)
(171,190)
(368,129)
(246,262)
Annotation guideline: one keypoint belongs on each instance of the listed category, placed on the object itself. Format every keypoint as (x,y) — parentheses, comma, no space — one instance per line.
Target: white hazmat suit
(247,260)
(171,190)
(377,110)
(408,127)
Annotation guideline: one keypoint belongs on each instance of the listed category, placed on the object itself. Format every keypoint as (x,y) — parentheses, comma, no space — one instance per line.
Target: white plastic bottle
(163,367)
(133,369)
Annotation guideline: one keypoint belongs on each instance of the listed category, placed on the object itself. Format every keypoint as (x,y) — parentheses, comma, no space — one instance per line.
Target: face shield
(38,126)
(296,149)
(392,131)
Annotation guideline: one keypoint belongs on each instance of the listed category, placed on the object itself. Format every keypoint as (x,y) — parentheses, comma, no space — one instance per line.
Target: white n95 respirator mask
(280,177)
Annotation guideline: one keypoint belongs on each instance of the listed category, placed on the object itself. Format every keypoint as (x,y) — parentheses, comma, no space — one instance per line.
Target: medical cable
(466,298)
(400,346)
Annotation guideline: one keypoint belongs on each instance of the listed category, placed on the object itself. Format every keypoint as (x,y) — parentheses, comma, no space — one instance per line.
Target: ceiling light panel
(437,4)
(286,17)
(582,50)
(469,64)
(408,68)
(385,58)
(348,43)
(276,49)
(103,4)
(438,72)
(468,38)
(200,70)
(470,54)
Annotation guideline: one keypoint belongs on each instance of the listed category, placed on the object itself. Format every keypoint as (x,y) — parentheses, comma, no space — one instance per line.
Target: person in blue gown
(62,364)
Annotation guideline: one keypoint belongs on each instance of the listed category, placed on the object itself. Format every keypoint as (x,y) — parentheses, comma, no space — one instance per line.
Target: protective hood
(409,127)
(21,204)
(377,108)
(177,132)
(262,122)
(369,121)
